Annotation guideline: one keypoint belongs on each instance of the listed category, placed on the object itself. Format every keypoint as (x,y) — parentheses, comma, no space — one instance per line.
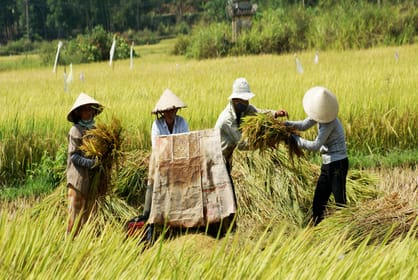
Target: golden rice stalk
(262,131)
(104,144)
(267,185)
(131,181)
(381,220)
(106,209)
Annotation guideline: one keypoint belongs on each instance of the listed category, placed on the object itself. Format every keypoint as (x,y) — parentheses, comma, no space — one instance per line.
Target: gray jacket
(78,177)
(330,140)
(230,133)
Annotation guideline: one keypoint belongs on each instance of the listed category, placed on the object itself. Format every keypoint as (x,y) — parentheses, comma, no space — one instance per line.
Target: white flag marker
(112,50)
(316,59)
(56,57)
(70,75)
(131,56)
(299,67)
(65,80)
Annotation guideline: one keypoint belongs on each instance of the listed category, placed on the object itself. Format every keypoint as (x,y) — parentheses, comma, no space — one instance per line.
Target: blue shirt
(330,140)
(159,127)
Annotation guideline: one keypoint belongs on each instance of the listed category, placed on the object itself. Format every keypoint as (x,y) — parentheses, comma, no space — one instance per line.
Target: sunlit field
(374,238)
(377,92)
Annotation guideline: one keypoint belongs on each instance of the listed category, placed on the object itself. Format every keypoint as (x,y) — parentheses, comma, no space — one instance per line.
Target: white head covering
(168,101)
(84,99)
(320,104)
(241,90)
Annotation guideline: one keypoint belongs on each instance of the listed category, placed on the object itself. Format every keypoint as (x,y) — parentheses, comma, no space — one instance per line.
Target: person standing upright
(80,169)
(229,120)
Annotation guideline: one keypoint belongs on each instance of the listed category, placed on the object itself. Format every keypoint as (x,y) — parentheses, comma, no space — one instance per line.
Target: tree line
(63,19)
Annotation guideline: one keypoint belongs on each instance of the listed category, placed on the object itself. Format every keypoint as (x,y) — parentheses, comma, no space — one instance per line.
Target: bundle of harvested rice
(262,131)
(380,220)
(269,187)
(131,181)
(104,144)
(108,209)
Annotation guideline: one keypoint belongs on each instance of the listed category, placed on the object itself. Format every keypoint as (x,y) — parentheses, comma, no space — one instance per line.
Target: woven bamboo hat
(320,104)
(84,99)
(241,90)
(168,101)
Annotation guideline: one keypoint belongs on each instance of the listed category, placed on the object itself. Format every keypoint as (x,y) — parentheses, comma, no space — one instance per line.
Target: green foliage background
(344,26)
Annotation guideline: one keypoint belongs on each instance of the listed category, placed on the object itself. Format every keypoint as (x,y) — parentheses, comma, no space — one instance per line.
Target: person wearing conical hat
(167,121)
(80,169)
(321,106)
(229,121)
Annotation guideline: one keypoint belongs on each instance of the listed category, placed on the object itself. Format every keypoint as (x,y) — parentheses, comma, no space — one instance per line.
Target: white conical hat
(168,101)
(320,104)
(241,90)
(84,99)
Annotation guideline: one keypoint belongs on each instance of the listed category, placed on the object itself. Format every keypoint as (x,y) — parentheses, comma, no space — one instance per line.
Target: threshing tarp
(191,186)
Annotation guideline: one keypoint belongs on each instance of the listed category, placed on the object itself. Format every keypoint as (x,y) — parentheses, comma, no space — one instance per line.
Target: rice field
(374,238)
(376,91)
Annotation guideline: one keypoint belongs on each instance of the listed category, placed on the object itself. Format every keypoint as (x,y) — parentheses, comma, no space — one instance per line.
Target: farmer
(166,123)
(321,106)
(80,169)
(230,119)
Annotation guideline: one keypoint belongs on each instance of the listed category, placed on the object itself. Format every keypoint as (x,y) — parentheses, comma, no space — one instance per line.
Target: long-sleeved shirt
(229,128)
(78,175)
(159,127)
(330,140)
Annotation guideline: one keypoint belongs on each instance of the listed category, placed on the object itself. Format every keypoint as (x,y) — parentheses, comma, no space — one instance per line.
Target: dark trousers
(229,169)
(331,180)
(230,221)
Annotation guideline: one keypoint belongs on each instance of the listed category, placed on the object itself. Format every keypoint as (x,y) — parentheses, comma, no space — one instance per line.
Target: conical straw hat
(168,101)
(84,99)
(320,104)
